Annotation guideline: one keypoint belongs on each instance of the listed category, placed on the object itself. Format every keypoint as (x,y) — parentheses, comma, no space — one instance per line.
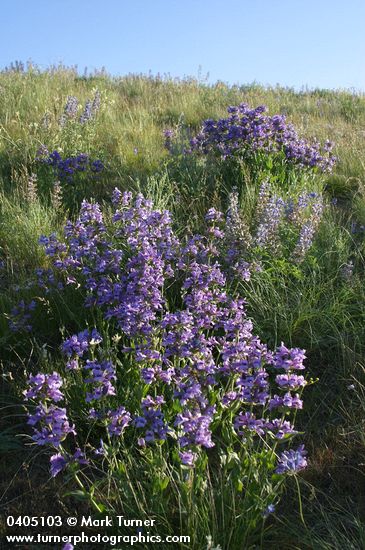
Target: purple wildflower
(188,458)
(78,344)
(44,386)
(21,315)
(246,131)
(270,509)
(292,461)
(53,425)
(291,381)
(152,419)
(58,463)
(118,421)
(102,376)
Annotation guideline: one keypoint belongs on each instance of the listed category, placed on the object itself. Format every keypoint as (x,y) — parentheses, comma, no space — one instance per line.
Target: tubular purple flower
(58,463)
(118,420)
(188,458)
(53,424)
(102,376)
(44,386)
(292,461)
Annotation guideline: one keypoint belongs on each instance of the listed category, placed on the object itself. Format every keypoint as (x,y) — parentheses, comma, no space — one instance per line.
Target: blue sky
(315,43)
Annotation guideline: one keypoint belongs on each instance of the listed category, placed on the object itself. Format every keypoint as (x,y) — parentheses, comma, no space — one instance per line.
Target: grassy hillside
(317,304)
(135,109)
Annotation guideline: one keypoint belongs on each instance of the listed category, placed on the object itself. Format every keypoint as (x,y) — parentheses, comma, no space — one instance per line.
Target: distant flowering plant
(64,180)
(65,169)
(70,110)
(70,113)
(20,316)
(185,370)
(247,131)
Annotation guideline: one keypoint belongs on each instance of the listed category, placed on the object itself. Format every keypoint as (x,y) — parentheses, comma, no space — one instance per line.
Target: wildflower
(152,419)
(87,114)
(280,428)
(289,358)
(58,463)
(248,130)
(20,316)
(100,451)
(213,215)
(288,400)
(65,169)
(119,419)
(197,353)
(56,195)
(267,231)
(248,421)
(79,343)
(42,153)
(188,458)
(308,230)
(237,232)
(70,110)
(53,424)
(169,135)
(195,427)
(292,461)
(31,191)
(290,381)
(102,376)
(270,509)
(95,106)
(45,386)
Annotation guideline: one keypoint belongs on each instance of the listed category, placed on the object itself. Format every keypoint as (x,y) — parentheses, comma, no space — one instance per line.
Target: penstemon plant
(170,374)
(247,132)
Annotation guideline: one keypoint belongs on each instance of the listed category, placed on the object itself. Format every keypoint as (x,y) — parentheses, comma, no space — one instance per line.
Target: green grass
(318,310)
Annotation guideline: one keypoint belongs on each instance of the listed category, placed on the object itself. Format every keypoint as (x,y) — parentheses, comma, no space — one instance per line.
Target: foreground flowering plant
(174,361)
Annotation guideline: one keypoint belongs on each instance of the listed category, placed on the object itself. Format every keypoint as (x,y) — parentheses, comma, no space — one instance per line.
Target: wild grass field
(163,292)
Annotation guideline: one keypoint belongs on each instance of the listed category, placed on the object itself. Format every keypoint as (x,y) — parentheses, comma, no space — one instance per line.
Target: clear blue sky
(318,43)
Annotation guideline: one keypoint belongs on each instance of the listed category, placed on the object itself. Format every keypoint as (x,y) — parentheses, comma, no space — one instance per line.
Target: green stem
(300,502)
(82,487)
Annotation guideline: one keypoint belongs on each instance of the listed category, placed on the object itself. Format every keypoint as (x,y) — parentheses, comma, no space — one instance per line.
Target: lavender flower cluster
(72,106)
(66,168)
(91,108)
(194,349)
(248,130)
(50,422)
